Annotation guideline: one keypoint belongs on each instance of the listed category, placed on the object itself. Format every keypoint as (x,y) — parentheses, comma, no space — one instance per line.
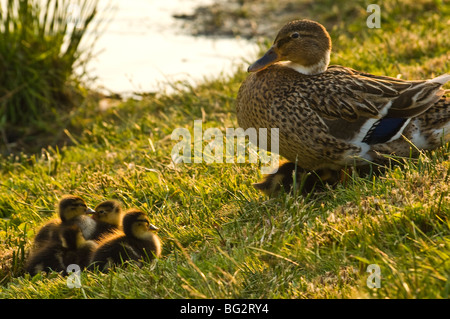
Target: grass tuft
(39,53)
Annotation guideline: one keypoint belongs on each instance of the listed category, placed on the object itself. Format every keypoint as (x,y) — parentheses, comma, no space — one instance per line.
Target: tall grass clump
(39,51)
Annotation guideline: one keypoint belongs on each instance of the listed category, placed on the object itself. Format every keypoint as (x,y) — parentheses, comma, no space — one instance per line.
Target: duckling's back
(112,249)
(69,247)
(46,258)
(102,230)
(118,248)
(47,232)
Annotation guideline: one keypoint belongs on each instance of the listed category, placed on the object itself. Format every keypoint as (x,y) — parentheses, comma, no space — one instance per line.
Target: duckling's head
(109,211)
(136,225)
(305,44)
(71,207)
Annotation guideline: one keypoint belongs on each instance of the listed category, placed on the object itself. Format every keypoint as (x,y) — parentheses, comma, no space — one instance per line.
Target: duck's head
(71,207)
(136,225)
(305,44)
(109,211)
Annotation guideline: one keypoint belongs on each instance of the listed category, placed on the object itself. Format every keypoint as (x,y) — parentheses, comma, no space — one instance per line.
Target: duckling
(137,242)
(332,117)
(108,217)
(56,255)
(283,178)
(72,209)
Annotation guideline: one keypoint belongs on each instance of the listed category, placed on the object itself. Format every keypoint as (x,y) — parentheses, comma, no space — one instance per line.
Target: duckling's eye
(295,35)
(144,222)
(101,212)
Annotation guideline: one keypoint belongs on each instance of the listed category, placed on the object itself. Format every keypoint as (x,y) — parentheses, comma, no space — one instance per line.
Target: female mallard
(332,117)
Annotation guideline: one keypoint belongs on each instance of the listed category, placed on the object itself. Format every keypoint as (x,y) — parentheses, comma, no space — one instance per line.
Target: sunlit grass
(221,238)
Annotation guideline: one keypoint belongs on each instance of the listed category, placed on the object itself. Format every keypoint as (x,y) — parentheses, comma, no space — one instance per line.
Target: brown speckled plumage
(331,117)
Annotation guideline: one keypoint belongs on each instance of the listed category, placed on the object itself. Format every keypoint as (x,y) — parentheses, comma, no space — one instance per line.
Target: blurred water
(144,48)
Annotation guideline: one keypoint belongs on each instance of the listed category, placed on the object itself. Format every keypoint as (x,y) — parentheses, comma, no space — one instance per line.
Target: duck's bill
(269,58)
(153,227)
(90,211)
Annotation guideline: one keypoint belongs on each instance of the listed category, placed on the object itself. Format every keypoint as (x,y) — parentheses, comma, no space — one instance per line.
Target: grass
(222,239)
(39,52)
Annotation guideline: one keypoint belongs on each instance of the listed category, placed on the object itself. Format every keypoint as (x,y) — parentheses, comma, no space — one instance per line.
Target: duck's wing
(348,94)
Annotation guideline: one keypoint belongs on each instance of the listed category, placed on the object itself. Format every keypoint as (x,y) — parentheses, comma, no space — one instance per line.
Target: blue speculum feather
(383,130)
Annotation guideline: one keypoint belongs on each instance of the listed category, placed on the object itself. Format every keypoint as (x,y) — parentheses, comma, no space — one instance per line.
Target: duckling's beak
(90,211)
(153,227)
(269,58)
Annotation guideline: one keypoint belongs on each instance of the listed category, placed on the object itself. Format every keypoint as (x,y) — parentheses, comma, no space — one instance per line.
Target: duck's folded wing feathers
(350,95)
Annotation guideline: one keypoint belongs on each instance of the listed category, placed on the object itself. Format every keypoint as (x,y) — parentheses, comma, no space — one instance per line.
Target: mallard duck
(108,218)
(331,117)
(71,209)
(137,242)
(56,255)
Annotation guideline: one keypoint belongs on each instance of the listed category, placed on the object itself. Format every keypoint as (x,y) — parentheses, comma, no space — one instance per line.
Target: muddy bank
(242,18)
(261,19)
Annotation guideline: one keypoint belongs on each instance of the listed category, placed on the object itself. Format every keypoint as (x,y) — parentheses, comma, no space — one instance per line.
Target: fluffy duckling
(72,209)
(306,182)
(138,241)
(108,218)
(70,248)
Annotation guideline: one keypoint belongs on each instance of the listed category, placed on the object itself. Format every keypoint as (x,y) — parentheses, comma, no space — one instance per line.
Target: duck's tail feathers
(441,79)
(418,98)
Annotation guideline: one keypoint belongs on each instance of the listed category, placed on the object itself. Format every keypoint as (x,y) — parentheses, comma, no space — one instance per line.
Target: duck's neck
(317,68)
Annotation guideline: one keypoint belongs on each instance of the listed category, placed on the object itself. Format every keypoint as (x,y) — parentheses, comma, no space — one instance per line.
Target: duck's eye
(295,35)
(101,212)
